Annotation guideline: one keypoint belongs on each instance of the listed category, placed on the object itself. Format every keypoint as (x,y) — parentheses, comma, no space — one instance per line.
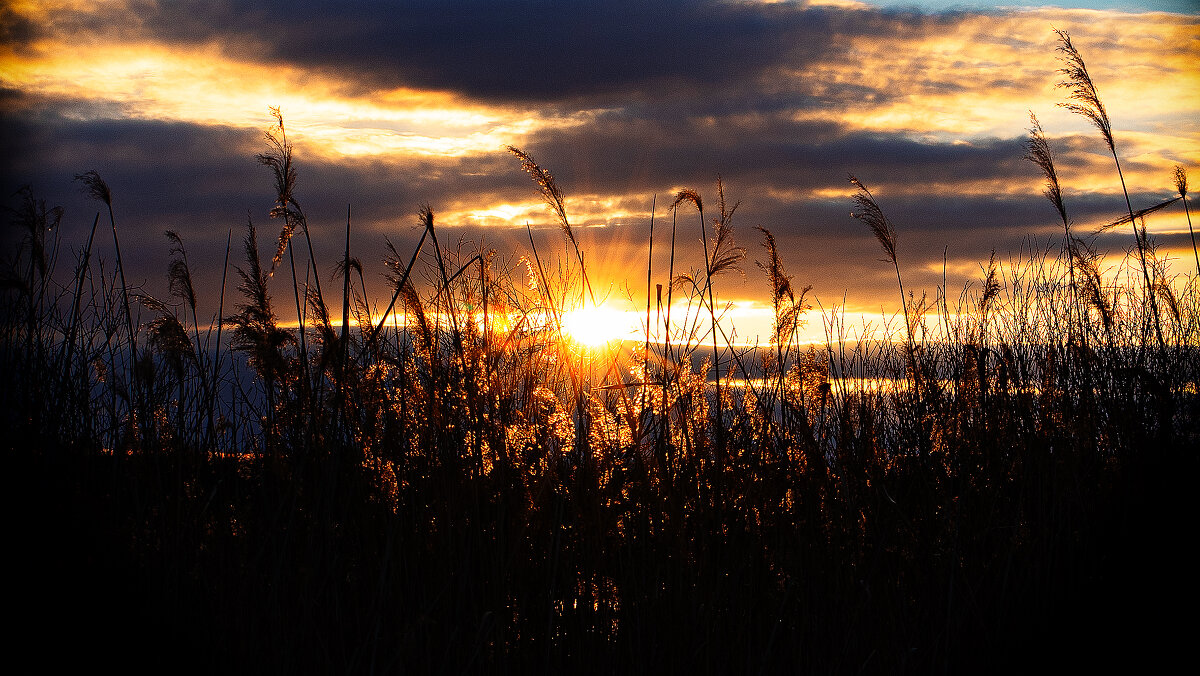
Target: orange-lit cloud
(977,76)
(200,85)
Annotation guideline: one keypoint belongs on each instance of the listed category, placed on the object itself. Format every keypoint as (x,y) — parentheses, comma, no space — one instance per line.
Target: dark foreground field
(469,501)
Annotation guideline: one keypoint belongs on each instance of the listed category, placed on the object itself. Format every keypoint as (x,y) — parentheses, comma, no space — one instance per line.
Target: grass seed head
(870,213)
(1038,152)
(95,186)
(548,187)
(688,195)
(179,277)
(1082,91)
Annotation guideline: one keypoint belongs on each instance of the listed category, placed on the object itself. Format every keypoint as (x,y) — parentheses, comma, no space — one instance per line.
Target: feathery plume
(549,189)
(1137,215)
(555,200)
(279,159)
(1093,288)
(95,186)
(1086,102)
(783,299)
(413,304)
(1082,89)
(870,213)
(1168,295)
(1038,152)
(688,195)
(179,277)
(1181,185)
(168,336)
(725,256)
(991,286)
(255,327)
(781,282)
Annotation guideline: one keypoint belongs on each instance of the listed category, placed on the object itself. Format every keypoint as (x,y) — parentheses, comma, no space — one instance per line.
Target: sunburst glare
(597,325)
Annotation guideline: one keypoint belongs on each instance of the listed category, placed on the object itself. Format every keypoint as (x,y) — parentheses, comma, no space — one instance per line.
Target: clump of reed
(444,483)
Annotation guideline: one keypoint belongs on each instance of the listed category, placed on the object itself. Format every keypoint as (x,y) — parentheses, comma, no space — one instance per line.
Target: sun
(596,326)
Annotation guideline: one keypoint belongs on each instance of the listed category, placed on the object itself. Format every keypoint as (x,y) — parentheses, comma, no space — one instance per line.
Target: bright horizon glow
(599,325)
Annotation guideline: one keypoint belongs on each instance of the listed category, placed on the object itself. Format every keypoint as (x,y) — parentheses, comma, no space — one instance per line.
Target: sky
(391,106)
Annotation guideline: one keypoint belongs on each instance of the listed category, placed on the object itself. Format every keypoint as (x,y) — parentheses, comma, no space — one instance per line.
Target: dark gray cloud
(527,51)
(518,51)
(621,150)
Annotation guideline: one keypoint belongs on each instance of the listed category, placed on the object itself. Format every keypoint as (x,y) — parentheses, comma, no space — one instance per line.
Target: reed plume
(179,281)
(870,213)
(1084,100)
(726,256)
(783,297)
(255,328)
(1181,186)
(279,160)
(991,291)
(98,189)
(1038,152)
(781,287)
(398,278)
(554,198)
(1139,214)
(95,186)
(786,313)
(1094,294)
(721,258)
(688,195)
(412,303)
(36,221)
(548,187)
(179,276)
(1179,178)
(1167,294)
(169,337)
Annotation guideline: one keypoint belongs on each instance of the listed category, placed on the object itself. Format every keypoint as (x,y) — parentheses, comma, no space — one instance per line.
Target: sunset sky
(392,107)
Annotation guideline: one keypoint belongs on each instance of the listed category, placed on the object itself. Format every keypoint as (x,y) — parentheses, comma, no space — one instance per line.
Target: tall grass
(1085,101)
(448,483)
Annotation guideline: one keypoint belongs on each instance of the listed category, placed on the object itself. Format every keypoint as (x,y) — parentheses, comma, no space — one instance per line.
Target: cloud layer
(395,106)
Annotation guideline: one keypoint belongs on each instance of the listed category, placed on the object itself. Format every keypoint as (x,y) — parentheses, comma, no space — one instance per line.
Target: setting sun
(597,325)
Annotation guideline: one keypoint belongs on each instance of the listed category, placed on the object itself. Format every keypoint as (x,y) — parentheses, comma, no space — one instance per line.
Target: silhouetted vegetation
(449,484)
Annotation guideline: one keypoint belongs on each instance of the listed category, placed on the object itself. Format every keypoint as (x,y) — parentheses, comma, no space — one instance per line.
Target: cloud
(580,52)
(517,51)
(408,104)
